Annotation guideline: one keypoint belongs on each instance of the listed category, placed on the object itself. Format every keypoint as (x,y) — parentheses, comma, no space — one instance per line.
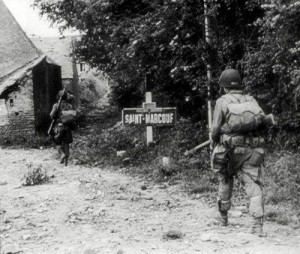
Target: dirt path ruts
(90,210)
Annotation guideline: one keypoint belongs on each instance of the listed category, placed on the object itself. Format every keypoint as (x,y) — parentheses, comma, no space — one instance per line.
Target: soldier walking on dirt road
(238,147)
(64,114)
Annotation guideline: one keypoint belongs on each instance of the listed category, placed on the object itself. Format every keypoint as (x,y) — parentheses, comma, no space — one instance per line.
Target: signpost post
(149,128)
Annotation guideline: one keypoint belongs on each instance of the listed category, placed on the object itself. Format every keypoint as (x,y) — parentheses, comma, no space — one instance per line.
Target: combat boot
(257,227)
(62,155)
(223,219)
(224,207)
(63,159)
(66,160)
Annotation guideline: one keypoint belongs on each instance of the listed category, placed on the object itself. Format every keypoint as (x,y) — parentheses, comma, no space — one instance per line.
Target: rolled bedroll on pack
(267,120)
(68,116)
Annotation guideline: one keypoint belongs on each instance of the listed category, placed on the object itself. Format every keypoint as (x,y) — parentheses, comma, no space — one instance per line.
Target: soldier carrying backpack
(64,115)
(238,147)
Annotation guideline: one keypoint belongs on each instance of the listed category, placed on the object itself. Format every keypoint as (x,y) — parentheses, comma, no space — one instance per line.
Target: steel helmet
(230,78)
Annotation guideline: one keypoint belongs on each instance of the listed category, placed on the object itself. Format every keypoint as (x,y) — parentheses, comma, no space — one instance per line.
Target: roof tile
(16,50)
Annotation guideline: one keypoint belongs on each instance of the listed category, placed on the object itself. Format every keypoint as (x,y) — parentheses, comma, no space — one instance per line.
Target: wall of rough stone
(18,120)
(4,120)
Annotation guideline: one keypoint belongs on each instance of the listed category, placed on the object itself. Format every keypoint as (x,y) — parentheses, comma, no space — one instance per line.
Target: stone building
(29,81)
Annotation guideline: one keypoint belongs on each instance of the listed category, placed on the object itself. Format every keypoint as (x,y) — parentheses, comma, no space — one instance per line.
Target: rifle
(54,119)
(197,148)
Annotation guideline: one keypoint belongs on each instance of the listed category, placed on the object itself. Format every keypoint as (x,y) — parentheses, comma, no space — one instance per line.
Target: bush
(100,146)
(36,175)
(28,142)
(283,178)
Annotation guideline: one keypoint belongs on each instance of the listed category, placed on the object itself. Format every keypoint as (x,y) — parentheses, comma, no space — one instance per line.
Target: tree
(129,38)
(273,67)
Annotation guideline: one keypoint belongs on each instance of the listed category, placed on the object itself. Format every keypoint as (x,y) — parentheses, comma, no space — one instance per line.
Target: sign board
(150,117)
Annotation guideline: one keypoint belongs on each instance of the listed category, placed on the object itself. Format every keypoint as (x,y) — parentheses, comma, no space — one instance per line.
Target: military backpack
(244,114)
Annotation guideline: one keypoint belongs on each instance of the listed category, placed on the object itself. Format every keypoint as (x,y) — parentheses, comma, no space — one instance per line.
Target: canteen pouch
(257,157)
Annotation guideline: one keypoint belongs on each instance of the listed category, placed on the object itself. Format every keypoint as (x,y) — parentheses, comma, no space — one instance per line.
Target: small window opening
(82,67)
(11,102)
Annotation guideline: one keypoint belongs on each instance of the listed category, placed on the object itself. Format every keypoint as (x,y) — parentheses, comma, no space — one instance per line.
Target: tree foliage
(166,38)
(273,67)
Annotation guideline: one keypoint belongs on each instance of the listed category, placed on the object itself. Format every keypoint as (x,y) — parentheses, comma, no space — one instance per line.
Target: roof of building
(60,50)
(16,50)
(12,79)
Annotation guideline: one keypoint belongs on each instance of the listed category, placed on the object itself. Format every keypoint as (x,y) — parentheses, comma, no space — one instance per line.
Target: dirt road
(92,210)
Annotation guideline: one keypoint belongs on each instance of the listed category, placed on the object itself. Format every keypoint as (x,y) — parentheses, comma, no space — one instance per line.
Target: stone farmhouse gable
(29,81)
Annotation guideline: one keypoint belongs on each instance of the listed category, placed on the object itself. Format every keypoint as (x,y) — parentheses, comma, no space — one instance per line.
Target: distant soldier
(64,114)
(238,147)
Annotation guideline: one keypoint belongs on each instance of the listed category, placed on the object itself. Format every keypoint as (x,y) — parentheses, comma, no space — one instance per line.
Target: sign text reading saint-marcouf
(161,117)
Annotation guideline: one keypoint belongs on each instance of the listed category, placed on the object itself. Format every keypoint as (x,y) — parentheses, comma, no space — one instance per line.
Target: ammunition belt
(233,141)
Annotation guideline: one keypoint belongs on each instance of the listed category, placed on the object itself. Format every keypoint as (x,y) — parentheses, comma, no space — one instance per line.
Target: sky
(30,21)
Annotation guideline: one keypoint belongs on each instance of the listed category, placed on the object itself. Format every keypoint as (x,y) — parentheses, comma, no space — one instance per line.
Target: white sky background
(30,21)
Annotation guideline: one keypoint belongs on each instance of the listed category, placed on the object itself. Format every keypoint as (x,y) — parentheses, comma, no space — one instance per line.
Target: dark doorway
(46,84)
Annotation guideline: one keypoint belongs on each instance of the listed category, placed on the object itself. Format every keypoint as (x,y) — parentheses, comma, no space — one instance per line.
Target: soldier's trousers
(246,163)
(64,148)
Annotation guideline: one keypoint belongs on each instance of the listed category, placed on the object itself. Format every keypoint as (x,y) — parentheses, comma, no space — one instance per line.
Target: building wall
(4,120)
(18,117)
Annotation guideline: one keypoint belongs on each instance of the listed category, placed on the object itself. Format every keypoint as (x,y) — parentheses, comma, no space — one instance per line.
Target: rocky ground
(94,210)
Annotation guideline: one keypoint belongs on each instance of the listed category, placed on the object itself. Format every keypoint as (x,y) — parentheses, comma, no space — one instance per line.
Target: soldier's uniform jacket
(62,131)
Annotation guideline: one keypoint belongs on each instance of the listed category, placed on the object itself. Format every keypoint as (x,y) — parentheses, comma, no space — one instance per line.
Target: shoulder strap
(249,97)
(231,98)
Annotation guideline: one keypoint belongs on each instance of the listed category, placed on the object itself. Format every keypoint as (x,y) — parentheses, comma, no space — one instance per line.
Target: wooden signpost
(149,115)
